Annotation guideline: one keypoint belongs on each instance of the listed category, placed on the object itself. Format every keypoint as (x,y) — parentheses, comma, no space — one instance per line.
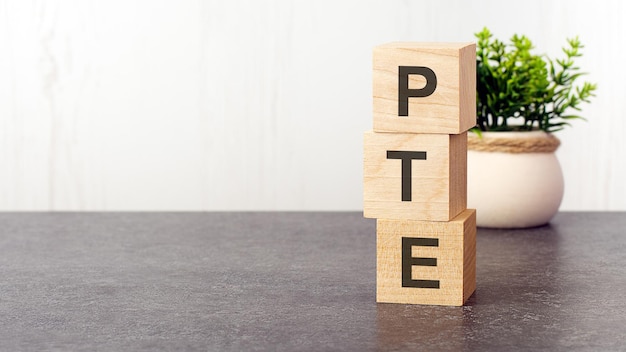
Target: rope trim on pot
(547,144)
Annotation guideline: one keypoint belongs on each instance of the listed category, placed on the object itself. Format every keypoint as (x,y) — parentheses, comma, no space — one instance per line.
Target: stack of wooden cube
(415,172)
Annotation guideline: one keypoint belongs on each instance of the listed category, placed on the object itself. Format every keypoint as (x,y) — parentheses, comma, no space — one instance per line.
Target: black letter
(403,86)
(408,261)
(406,169)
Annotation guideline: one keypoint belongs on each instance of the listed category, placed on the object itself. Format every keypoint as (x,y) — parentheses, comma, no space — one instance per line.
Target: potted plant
(514,177)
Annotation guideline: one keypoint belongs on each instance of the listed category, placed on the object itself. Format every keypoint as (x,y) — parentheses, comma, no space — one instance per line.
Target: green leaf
(515,83)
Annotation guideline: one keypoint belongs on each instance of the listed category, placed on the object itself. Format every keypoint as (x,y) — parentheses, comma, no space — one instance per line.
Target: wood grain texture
(249,105)
(450,109)
(438,184)
(455,255)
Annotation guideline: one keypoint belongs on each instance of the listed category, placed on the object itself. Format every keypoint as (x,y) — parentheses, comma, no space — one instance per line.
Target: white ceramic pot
(513,190)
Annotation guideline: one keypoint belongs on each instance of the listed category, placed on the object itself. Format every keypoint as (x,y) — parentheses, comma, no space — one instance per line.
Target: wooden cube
(414,176)
(426,262)
(424,87)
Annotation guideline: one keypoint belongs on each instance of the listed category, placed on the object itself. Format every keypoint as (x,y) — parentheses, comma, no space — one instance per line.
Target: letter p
(404,93)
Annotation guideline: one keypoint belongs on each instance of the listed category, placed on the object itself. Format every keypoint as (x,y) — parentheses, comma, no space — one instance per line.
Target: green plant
(533,90)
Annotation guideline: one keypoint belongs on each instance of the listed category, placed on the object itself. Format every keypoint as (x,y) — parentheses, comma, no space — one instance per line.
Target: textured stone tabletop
(295,282)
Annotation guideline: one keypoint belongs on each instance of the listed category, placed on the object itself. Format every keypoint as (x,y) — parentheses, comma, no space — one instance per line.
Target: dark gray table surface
(295,282)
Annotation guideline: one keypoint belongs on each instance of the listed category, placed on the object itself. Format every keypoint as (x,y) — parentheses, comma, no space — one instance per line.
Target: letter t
(406,158)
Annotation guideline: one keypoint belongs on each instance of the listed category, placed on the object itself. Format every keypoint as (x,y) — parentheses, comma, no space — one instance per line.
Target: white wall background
(253,105)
